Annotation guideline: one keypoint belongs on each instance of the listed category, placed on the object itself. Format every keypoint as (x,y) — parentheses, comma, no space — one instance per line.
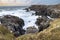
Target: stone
(31,29)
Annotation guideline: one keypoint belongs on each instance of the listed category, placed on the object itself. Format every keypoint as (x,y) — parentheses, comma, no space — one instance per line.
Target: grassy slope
(51,33)
(5,34)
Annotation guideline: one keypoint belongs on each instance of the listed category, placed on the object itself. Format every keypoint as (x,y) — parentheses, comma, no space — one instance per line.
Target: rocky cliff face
(14,24)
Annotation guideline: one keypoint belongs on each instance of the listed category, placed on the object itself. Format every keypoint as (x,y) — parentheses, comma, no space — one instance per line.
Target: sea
(19,11)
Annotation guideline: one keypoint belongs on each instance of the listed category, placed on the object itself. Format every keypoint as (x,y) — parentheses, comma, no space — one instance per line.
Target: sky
(28,2)
(46,1)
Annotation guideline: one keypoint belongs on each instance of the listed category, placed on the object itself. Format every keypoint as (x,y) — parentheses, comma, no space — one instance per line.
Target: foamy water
(28,18)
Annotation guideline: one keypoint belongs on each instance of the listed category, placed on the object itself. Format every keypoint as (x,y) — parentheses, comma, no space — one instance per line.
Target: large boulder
(13,23)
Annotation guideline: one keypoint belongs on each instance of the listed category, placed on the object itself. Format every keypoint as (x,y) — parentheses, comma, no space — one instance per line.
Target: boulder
(14,24)
(31,29)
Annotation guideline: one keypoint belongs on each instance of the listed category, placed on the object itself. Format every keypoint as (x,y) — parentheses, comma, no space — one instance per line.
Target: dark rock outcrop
(14,24)
(46,10)
(42,23)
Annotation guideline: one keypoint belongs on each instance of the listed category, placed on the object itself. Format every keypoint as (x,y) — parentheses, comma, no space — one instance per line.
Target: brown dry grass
(5,34)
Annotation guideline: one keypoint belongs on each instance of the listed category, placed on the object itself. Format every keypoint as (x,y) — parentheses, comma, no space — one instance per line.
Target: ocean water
(28,18)
(12,7)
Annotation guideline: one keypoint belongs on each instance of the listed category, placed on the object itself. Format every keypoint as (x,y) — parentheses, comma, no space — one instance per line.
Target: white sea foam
(28,18)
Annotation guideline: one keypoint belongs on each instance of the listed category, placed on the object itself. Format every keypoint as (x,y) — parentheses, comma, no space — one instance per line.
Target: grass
(5,34)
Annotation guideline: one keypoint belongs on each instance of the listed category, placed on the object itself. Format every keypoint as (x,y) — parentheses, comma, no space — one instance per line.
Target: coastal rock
(43,10)
(53,12)
(39,9)
(14,24)
(42,23)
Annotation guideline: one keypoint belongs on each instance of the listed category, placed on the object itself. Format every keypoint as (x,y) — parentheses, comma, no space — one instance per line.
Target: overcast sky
(29,2)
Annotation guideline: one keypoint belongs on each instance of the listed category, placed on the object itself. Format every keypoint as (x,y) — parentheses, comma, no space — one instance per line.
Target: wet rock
(27,10)
(31,29)
(42,23)
(14,24)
